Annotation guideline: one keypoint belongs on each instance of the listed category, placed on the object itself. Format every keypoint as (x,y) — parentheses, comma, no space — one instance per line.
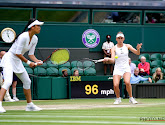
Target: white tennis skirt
(121,70)
(11,61)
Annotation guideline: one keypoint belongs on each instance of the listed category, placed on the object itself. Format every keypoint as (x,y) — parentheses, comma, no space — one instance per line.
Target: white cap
(36,22)
(119,35)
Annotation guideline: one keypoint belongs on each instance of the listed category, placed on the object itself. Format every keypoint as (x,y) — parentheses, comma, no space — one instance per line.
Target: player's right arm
(112,59)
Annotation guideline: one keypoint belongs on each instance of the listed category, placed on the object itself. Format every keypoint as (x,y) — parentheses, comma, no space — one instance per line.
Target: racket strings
(60,56)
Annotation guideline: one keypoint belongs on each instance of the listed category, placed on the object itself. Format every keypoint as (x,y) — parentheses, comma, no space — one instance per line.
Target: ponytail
(29,22)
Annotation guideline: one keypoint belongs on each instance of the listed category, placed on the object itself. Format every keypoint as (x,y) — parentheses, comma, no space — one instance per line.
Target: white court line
(48,116)
(79,122)
(61,107)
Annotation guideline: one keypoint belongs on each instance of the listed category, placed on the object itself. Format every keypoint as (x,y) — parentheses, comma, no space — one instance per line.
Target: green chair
(51,71)
(52,65)
(67,65)
(164,64)
(80,71)
(48,62)
(161,81)
(156,63)
(44,65)
(154,69)
(90,72)
(145,55)
(148,61)
(25,64)
(163,58)
(76,63)
(29,70)
(62,68)
(156,56)
(88,64)
(146,81)
(40,71)
(136,62)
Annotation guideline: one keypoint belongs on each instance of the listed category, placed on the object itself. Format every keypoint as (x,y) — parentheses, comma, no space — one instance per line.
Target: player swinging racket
(12,62)
(122,68)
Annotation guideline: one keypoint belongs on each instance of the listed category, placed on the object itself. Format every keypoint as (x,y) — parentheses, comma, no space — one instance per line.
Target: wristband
(28,62)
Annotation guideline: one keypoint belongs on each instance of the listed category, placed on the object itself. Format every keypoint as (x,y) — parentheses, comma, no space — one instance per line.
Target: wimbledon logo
(91,38)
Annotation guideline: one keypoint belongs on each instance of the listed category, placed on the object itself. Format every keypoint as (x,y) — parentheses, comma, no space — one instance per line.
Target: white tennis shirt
(122,62)
(20,46)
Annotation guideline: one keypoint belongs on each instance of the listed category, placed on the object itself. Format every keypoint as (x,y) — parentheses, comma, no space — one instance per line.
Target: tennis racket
(58,57)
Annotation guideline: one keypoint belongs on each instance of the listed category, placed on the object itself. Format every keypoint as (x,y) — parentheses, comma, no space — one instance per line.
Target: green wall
(70,35)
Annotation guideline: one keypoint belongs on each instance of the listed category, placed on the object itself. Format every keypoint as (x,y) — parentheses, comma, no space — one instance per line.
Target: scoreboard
(92,87)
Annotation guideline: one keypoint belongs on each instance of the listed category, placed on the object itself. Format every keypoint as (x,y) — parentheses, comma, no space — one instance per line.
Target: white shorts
(121,71)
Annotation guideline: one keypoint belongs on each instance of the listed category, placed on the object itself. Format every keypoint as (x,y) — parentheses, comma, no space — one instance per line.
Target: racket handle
(38,63)
(100,60)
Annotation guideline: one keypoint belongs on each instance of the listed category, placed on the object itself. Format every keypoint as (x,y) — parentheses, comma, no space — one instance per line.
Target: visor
(119,35)
(36,22)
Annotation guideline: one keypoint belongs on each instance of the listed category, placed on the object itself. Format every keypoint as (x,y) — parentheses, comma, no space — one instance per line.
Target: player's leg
(127,77)
(8,78)
(24,77)
(116,82)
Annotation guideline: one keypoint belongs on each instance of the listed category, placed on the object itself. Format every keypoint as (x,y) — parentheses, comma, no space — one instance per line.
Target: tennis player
(12,62)
(122,68)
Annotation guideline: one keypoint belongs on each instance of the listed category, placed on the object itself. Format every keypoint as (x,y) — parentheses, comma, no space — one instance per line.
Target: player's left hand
(139,46)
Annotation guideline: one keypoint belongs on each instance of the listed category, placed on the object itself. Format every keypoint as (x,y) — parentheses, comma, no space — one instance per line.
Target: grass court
(86,112)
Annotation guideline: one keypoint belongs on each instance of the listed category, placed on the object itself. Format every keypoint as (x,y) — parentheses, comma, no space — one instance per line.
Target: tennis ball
(116,56)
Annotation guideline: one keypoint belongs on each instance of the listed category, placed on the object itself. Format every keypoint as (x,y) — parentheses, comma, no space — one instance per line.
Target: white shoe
(2,110)
(10,100)
(132,100)
(16,99)
(117,101)
(33,108)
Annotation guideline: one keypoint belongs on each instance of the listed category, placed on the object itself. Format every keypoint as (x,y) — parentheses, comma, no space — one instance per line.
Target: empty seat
(44,65)
(40,71)
(156,63)
(51,71)
(29,70)
(88,64)
(145,55)
(62,68)
(136,62)
(163,58)
(80,71)
(90,72)
(76,64)
(146,81)
(67,65)
(52,65)
(156,56)
(164,64)
(161,81)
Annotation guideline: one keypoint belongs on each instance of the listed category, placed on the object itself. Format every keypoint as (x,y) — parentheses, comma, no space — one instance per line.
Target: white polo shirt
(107,46)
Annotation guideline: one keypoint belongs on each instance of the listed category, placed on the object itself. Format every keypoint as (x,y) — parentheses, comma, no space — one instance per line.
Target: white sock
(0,103)
(14,96)
(31,103)
(131,98)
